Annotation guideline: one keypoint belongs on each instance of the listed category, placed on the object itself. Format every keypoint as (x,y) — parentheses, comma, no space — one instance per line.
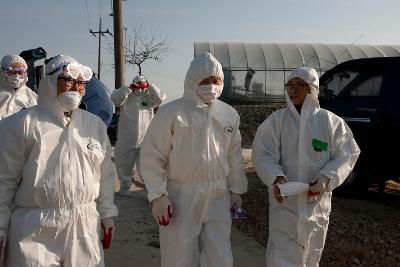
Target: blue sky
(61,27)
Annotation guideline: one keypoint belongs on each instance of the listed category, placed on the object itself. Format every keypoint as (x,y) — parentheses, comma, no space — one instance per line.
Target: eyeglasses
(72,82)
(295,87)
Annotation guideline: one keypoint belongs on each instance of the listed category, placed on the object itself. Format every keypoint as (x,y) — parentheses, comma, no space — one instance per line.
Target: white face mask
(15,82)
(207,93)
(292,188)
(69,100)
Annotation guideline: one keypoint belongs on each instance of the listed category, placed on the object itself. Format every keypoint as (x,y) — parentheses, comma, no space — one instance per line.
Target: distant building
(256,73)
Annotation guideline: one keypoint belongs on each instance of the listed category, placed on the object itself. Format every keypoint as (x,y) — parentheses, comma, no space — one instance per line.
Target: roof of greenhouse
(287,56)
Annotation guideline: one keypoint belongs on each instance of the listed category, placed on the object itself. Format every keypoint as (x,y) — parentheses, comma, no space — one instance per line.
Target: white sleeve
(119,96)
(266,151)
(156,95)
(345,152)
(237,180)
(12,159)
(31,95)
(105,200)
(154,155)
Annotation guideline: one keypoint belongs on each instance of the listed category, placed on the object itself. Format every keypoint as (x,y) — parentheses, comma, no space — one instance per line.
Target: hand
(277,191)
(317,189)
(139,83)
(162,210)
(107,229)
(236,199)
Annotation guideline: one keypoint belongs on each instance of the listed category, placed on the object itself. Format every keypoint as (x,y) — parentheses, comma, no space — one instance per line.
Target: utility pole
(100,33)
(118,43)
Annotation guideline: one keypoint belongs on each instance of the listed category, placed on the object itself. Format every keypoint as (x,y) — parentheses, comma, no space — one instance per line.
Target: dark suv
(366,94)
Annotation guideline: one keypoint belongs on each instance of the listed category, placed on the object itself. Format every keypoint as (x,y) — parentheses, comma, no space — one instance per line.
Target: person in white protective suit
(192,166)
(14,94)
(302,143)
(56,176)
(137,103)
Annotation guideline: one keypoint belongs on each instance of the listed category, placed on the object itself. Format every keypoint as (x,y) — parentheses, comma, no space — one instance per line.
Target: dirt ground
(363,231)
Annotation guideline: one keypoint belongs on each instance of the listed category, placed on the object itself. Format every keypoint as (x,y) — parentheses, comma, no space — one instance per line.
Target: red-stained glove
(139,82)
(107,229)
(317,189)
(141,85)
(162,210)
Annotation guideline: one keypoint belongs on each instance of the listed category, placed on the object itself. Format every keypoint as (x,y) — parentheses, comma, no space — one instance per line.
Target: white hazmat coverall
(59,176)
(283,146)
(12,99)
(135,117)
(192,154)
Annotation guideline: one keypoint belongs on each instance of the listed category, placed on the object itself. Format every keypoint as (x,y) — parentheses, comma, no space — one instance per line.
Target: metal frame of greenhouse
(257,72)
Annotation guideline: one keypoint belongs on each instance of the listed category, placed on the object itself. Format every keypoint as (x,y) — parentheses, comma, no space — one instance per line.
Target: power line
(100,8)
(87,12)
(347,48)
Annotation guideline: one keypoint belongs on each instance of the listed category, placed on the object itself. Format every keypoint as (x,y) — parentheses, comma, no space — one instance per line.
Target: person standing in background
(137,103)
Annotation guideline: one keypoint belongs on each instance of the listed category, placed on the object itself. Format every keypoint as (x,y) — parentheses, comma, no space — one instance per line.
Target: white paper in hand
(292,188)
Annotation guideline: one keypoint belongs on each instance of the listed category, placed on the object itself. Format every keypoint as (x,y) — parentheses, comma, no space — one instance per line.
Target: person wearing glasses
(14,94)
(306,144)
(56,176)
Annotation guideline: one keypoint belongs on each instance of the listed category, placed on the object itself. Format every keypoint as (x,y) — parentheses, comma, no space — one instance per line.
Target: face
(297,90)
(211,80)
(66,83)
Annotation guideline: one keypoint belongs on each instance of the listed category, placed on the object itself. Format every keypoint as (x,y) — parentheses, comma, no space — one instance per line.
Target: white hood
(310,76)
(203,65)
(8,61)
(47,93)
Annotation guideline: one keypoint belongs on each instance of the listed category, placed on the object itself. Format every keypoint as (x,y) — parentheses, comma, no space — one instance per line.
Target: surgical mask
(69,100)
(208,92)
(15,81)
(292,188)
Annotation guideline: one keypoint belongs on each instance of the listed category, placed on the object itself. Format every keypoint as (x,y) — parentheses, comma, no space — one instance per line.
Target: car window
(368,87)
(337,83)
(351,83)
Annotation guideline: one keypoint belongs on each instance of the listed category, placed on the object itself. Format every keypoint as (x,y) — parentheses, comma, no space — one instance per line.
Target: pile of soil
(251,116)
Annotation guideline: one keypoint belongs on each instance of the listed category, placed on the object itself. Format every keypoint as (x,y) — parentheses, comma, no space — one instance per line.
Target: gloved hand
(107,229)
(317,188)
(236,199)
(277,191)
(139,84)
(162,210)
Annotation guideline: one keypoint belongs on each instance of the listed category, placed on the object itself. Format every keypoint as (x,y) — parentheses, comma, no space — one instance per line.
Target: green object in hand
(145,104)
(319,145)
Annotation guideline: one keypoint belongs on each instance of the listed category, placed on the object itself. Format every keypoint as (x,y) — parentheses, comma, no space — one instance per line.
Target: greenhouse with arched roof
(257,72)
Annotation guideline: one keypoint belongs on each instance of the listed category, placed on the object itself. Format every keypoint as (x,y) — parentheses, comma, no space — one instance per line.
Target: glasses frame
(295,87)
(81,84)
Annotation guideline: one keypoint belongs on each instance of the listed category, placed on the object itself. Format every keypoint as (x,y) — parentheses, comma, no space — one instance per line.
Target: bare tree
(142,47)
